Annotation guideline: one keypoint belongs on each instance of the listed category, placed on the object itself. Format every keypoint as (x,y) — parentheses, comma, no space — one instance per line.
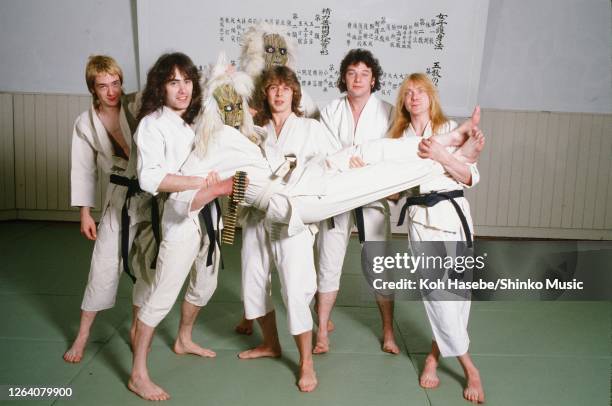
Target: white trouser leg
(294,261)
(256,264)
(105,270)
(448,318)
(106,266)
(142,255)
(202,278)
(350,189)
(331,249)
(174,261)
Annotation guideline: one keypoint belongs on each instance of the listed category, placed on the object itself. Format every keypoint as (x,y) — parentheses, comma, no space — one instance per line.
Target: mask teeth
(229,220)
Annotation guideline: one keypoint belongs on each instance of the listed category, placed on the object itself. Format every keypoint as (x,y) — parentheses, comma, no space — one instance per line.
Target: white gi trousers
(178,258)
(293,258)
(332,242)
(107,267)
(448,319)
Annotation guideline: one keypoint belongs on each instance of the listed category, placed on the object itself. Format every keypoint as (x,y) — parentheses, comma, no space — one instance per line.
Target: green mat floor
(529,353)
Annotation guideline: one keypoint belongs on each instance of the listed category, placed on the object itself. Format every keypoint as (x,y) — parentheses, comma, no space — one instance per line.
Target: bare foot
(146,389)
(389,344)
(468,125)
(245,327)
(473,391)
(75,353)
(308,379)
(183,346)
(322,345)
(429,378)
(473,146)
(261,351)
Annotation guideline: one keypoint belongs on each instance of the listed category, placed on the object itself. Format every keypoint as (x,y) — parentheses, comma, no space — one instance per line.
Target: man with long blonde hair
(437,211)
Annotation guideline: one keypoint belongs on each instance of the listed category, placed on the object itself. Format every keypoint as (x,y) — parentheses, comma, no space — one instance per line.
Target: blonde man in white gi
(170,104)
(356,117)
(420,116)
(101,144)
(287,136)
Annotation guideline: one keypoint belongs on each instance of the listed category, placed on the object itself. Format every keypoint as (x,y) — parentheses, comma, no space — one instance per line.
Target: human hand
(356,162)
(88,224)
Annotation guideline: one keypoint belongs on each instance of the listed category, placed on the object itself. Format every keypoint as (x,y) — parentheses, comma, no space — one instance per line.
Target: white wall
(548,55)
(44,45)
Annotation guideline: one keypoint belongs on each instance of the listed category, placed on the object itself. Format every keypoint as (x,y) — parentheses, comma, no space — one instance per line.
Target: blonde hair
(401,119)
(97,64)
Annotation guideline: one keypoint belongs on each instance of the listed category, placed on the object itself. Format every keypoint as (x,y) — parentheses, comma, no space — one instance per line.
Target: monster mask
(230,105)
(275,50)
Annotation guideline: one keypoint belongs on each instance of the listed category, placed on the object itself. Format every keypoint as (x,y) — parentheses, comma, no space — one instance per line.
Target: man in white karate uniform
(171,101)
(264,46)
(287,136)
(101,144)
(356,117)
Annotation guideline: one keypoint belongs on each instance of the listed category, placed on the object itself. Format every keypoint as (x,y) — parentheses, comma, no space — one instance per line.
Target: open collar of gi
(426,133)
(286,127)
(173,116)
(370,105)
(103,135)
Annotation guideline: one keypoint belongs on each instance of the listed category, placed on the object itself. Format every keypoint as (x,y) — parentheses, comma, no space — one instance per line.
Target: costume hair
(210,120)
(353,57)
(401,117)
(154,94)
(252,59)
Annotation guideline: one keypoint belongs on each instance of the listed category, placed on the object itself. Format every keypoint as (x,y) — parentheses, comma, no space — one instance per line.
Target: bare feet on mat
(146,389)
(473,391)
(308,379)
(389,345)
(322,345)
(429,378)
(184,346)
(75,353)
(261,351)
(244,327)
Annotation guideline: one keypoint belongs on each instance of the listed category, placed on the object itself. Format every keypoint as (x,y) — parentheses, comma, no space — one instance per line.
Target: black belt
(132,188)
(360,224)
(433,198)
(213,238)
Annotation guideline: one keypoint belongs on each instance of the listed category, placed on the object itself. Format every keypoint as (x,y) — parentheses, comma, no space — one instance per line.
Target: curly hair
(277,75)
(355,56)
(154,94)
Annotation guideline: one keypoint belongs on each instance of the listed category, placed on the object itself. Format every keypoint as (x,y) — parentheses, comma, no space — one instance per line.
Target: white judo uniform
(316,190)
(448,319)
(164,142)
(332,241)
(93,154)
(292,255)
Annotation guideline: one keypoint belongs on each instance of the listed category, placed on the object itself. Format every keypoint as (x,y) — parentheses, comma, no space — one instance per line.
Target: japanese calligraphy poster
(443,38)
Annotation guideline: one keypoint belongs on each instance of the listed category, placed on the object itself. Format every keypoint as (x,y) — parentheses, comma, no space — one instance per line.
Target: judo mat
(532,353)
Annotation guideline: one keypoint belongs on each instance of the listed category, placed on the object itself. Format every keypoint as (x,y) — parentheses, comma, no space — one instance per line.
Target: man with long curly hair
(171,101)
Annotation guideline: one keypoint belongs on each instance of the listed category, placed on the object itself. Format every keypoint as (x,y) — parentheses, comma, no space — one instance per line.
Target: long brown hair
(401,119)
(162,72)
(277,75)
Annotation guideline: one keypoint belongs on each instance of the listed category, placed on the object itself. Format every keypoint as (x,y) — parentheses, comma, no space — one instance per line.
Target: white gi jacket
(164,142)
(374,122)
(441,216)
(92,150)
